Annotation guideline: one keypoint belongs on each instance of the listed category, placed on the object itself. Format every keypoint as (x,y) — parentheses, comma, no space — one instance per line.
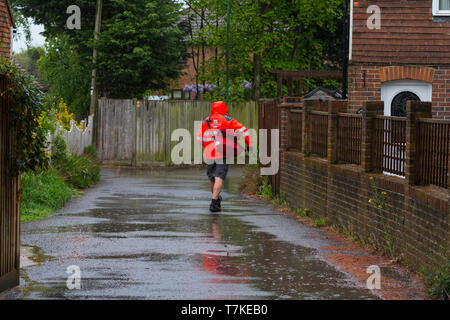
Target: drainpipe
(346,45)
(227,82)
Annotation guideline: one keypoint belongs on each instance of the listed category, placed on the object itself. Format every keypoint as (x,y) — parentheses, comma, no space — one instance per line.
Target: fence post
(371,109)
(415,110)
(279,85)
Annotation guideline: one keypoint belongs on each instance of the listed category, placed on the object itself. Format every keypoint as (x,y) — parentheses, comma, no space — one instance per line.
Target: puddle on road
(187,250)
(280,268)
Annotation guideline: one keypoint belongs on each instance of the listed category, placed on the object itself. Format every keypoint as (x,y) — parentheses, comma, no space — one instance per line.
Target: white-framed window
(396,93)
(441,7)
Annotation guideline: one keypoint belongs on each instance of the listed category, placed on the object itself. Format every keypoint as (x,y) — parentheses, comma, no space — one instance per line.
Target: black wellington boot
(215,206)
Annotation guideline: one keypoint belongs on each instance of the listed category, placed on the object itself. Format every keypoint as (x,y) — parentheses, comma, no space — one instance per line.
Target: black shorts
(219,170)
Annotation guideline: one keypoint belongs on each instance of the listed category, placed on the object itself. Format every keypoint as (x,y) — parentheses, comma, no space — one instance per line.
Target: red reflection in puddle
(221,265)
(218,262)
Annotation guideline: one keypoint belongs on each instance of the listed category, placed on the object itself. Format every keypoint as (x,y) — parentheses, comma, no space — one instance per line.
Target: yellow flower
(380,207)
(384,193)
(370,200)
(371,178)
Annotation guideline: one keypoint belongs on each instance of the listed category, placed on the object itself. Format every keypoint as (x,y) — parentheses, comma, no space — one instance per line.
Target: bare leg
(212,186)
(218,184)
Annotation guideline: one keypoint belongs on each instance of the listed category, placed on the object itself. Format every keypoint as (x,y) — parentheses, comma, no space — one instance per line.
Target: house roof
(21,69)
(194,19)
(336,94)
(11,16)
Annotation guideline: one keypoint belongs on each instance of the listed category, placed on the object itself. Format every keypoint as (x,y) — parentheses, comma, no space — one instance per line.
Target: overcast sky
(37,38)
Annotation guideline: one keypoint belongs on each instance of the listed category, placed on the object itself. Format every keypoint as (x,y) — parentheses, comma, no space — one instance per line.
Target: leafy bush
(318,223)
(439,283)
(280,200)
(83,171)
(60,151)
(47,191)
(47,122)
(43,193)
(91,151)
(25,111)
(265,189)
(65,117)
(302,212)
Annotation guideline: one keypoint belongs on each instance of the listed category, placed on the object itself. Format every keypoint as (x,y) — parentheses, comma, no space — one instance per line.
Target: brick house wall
(6,24)
(188,73)
(412,44)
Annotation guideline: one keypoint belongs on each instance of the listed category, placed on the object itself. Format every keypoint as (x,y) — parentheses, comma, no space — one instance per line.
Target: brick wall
(5,29)
(413,222)
(361,90)
(188,73)
(414,219)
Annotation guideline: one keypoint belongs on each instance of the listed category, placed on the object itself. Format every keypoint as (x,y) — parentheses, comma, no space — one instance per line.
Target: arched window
(398,105)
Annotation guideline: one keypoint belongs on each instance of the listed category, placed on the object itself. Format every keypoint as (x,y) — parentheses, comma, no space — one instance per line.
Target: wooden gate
(269,118)
(9,199)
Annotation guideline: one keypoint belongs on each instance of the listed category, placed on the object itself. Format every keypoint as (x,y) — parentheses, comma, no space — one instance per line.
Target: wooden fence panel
(349,138)
(319,133)
(269,118)
(9,199)
(116,137)
(139,132)
(295,123)
(433,137)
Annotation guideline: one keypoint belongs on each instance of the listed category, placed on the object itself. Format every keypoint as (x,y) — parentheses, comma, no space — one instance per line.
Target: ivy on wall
(25,109)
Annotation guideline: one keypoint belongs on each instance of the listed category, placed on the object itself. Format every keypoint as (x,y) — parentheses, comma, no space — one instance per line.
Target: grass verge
(438,282)
(44,192)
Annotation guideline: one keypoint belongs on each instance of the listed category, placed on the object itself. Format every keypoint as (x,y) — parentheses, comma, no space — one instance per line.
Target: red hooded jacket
(213,132)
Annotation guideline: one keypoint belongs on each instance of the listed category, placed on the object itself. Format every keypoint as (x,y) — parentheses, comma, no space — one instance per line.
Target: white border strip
(350,51)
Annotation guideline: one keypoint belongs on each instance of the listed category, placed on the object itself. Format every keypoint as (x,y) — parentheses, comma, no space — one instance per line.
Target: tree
(273,34)
(68,75)
(138,48)
(21,22)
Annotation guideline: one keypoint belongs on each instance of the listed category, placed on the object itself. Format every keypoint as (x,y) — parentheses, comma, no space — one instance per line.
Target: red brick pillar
(371,109)
(334,107)
(415,110)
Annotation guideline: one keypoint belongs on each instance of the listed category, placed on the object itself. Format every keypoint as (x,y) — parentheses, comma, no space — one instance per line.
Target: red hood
(219,107)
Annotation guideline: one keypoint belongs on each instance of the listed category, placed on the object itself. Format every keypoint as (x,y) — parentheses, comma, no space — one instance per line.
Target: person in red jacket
(218,135)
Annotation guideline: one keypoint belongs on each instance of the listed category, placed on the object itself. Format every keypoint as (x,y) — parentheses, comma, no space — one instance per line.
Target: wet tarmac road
(148,234)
